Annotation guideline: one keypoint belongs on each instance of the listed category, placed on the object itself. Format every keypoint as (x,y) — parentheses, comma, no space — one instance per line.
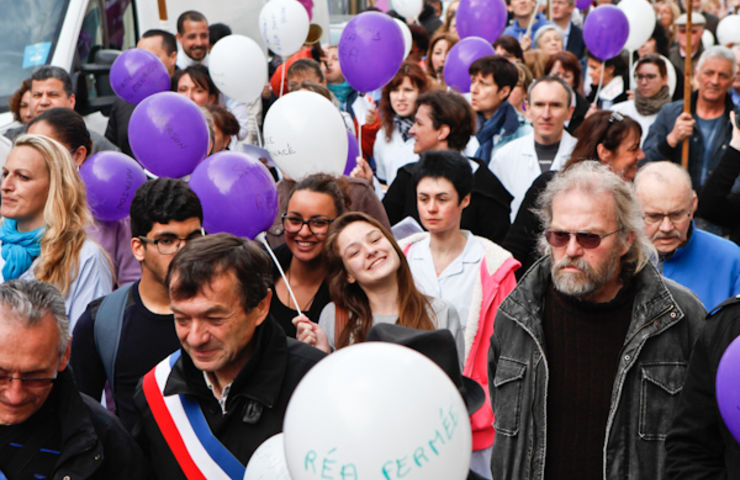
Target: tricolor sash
(198,452)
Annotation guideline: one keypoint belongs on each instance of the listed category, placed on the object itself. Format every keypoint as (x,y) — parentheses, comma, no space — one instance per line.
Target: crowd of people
(543,219)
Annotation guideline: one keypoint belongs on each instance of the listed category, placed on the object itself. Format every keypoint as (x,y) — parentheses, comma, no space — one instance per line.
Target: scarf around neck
(19,249)
(650,106)
(403,125)
(504,121)
(341,90)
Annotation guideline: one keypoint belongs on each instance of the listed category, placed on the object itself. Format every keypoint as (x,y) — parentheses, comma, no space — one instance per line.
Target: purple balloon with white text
(460,58)
(111,179)
(138,73)
(168,134)
(481,18)
(237,192)
(605,31)
(370,51)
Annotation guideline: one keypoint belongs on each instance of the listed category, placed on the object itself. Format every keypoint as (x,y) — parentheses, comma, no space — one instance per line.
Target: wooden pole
(162,4)
(687,87)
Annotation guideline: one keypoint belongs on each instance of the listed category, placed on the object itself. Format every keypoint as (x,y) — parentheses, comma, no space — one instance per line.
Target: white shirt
(456,283)
(392,155)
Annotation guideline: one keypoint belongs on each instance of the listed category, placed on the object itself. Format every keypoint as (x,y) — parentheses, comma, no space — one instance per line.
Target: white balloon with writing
(641,17)
(305,134)
(238,67)
(728,31)
(377,410)
(284,26)
(268,461)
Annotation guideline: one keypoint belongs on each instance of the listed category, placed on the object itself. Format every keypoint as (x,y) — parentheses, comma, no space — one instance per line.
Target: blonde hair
(66,214)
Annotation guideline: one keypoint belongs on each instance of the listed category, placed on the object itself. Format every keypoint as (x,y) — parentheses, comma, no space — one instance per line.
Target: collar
(224,392)
(680,251)
(260,379)
(76,426)
(472,252)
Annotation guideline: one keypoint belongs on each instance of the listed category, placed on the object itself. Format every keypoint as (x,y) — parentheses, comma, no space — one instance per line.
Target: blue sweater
(708,265)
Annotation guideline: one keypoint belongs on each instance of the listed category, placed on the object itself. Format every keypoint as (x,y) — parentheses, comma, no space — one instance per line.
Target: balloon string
(359,139)
(263,239)
(534,16)
(601,80)
(259,136)
(282,78)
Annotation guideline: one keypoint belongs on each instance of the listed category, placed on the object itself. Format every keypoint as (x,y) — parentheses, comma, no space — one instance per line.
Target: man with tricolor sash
(206,408)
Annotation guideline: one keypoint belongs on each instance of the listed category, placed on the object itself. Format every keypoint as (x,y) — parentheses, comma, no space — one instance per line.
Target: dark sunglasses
(586,240)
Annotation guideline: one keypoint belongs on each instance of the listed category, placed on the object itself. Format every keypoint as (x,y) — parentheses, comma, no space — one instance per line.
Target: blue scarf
(19,248)
(504,121)
(342,91)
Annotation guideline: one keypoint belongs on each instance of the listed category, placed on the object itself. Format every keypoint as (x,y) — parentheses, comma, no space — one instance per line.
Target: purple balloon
(138,73)
(583,4)
(461,57)
(353,151)
(728,388)
(237,192)
(168,134)
(605,31)
(111,179)
(370,51)
(481,18)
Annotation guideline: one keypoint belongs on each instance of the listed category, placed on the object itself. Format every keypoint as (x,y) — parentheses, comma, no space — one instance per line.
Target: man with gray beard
(589,351)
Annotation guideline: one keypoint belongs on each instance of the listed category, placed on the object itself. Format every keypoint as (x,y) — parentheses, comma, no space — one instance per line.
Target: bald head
(668,204)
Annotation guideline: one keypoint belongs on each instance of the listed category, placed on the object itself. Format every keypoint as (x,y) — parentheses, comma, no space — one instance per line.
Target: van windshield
(29,31)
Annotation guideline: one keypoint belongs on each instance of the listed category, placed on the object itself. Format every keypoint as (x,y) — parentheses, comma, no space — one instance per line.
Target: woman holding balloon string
(394,147)
(445,120)
(370,283)
(312,206)
(45,211)
(607,79)
(68,128)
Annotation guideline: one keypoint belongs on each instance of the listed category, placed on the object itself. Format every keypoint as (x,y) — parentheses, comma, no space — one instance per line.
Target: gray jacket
(666,320)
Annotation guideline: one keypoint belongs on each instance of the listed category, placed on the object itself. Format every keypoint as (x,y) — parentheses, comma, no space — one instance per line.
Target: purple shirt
(115,238)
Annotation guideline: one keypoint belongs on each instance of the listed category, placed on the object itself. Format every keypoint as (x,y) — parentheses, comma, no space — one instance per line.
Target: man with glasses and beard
(589,351)
(707,264)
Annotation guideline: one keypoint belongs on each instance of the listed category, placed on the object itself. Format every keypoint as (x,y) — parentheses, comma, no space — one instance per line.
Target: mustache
(661,236)
(565,262)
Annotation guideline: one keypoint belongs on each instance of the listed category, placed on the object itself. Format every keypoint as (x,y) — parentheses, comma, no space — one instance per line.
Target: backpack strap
(107,325)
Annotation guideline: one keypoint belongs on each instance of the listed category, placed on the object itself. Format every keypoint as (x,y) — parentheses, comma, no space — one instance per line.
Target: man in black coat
(207,407)
(47,428)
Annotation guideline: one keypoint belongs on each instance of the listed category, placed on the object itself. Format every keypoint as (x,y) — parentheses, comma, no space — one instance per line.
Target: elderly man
(226,390)
(47,428)
(677,52)
(518,163)
(701,261)
(590,349)
(708,124)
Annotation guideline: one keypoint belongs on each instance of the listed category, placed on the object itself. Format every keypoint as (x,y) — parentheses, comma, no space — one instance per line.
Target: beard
(587,280)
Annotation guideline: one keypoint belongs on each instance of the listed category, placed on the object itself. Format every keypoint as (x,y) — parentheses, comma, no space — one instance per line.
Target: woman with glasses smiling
(312,206)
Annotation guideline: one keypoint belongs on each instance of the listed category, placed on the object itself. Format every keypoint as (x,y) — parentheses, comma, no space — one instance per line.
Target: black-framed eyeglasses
(645,76)
(170,244)
(28,382)
(673,217)
(587,240)
(316,225)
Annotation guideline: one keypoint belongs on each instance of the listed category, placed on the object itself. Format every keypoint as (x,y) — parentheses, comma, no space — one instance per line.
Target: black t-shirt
(583,343)
(31,449)
(284,314)
(546,154)
(146,338)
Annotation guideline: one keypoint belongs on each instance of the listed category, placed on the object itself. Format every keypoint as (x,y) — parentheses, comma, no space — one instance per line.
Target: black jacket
(719,202)
(117,129)
(255,406)
(94,443)
(486,216)
(576,45)
(698,444)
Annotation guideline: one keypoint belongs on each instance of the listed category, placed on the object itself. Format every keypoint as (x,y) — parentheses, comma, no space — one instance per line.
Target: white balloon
(284,26)
(377,410)
(707,39)
(408,8)
(238,67)
(268,461)
(305,134)
(641,17)
(728,30)
(406,37)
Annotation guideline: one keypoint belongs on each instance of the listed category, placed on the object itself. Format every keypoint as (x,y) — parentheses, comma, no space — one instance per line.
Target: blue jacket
(656,146)
(666,320)
(517,31)
(708,265)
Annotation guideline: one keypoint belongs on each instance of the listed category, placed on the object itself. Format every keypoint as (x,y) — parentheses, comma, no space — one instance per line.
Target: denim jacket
(666,320)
